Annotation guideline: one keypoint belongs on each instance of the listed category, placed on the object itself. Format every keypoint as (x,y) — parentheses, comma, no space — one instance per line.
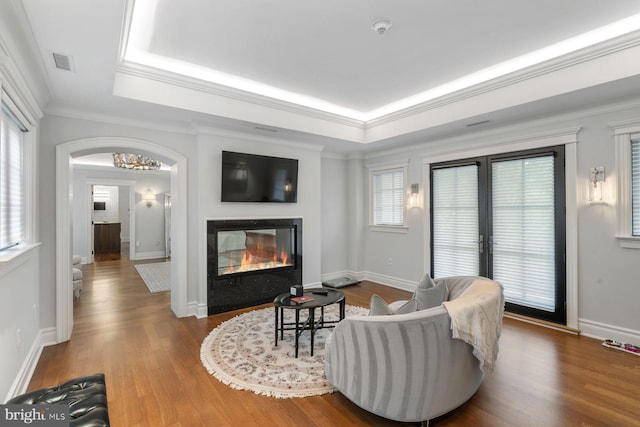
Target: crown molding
(203,129)
(74,113)
(16,87)
(587,54)
(167,77)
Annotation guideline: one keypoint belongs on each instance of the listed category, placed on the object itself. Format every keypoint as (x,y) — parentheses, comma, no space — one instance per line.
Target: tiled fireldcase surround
(226,292)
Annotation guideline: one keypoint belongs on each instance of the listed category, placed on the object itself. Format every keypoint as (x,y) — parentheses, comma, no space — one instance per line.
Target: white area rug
(241,353)
(157,276)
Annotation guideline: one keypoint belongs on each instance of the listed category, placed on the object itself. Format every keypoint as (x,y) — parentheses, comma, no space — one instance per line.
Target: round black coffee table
(320,298)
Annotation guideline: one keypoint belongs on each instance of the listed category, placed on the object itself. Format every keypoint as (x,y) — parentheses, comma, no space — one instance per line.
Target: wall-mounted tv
(99,206)
(254,178)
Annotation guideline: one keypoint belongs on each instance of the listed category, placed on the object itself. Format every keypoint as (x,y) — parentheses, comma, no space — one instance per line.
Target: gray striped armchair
(406,367)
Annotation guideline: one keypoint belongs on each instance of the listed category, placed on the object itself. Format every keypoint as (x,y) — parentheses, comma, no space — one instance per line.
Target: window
(627,147)
(12,215)
(635,188)
(388,196)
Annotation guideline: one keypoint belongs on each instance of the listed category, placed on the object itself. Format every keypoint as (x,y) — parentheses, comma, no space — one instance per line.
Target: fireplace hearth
(251,261)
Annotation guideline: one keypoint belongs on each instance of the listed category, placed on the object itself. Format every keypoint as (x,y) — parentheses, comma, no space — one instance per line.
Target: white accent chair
(77,275)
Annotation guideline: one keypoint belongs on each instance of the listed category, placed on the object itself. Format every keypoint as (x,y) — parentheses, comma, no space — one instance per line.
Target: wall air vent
(62,62)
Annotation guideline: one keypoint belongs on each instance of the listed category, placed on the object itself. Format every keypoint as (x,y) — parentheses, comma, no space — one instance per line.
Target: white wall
(20,277)
(309,194)
(19,317)
(607,274)
(123,213)
(334,244)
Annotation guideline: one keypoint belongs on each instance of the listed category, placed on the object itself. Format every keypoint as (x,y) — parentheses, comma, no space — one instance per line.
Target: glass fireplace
(251,261)
(241,251)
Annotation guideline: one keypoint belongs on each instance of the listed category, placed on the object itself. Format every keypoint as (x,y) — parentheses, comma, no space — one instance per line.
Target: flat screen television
(255,178)
(99,206)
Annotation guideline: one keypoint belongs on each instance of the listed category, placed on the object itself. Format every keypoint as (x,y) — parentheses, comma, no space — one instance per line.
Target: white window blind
(523,230)
(455,221)
(388,197)
(635,188)
(11,180)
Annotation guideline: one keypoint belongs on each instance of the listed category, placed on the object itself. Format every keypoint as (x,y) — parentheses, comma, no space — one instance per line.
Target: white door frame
(64,218)
(131,184)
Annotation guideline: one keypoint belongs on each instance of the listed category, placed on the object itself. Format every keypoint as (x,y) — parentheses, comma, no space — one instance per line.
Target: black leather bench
(86,397)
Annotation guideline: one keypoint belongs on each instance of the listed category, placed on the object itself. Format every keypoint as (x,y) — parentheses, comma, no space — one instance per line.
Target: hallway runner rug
(157,276)
(241,353)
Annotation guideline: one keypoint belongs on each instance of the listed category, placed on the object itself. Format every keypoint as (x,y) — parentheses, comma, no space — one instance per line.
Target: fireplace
(250,262)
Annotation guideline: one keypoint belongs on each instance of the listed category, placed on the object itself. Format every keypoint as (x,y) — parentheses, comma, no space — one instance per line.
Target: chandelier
(135,162)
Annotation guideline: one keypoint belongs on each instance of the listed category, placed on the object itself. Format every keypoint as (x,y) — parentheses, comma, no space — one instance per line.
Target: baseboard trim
(393,282)
(197,310)
(23,378)
(604,331)
(543,323)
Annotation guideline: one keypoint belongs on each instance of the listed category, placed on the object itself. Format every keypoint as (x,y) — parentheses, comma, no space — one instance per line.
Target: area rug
(157,275)
(241,353)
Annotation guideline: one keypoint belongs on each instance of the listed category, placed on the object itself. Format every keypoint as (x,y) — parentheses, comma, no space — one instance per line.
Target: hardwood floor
(155,378)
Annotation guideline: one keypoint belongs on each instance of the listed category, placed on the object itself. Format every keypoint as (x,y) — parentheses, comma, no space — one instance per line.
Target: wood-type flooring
(154,376)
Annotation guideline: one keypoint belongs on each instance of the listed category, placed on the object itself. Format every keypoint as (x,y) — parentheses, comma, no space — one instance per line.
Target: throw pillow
(378,307)
(429,293)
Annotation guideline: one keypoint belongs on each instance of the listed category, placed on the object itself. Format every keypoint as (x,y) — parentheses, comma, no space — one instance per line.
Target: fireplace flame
(251,262)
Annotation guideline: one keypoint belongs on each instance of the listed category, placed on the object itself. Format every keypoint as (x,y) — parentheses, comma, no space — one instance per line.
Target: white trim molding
(566,137)
(381,167)
(64,200)
(624,133)
(602,331)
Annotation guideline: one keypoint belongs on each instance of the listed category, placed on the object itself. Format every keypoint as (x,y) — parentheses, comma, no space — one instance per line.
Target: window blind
(635,188)
(11,180)
(523,243)
(455,221)
(388,197)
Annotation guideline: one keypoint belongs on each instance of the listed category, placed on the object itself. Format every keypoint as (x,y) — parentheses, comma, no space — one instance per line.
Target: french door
(503,217)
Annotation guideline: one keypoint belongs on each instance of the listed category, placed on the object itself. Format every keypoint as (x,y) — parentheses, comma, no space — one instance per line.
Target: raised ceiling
(318,68)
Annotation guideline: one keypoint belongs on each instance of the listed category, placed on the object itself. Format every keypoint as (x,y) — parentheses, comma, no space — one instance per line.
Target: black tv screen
(99,206)
(254,178)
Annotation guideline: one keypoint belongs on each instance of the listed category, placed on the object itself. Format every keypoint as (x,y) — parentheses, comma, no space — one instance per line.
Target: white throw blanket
(476,318)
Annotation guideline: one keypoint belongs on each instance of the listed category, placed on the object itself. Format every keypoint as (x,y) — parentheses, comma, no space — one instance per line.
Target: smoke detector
(381,26)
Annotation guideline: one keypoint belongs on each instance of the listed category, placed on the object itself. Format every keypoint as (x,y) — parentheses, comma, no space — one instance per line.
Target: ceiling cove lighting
(135,162)
(141,30)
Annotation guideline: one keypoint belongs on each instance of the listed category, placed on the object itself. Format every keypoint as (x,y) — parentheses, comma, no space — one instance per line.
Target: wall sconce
(596,187)
(414,197)
(148,197)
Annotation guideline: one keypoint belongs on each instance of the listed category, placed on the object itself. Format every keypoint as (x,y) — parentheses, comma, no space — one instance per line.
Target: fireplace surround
(251,261)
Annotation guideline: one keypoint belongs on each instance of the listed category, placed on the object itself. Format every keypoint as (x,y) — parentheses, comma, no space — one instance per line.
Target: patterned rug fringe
(240,354)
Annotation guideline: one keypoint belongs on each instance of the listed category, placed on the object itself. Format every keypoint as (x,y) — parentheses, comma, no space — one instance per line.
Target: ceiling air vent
(478,123)
(62,62)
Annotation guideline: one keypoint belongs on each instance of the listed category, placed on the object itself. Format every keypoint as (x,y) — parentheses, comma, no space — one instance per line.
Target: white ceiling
(292,51)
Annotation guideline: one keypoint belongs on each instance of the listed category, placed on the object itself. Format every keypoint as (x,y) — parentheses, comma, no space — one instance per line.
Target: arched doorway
(64,197)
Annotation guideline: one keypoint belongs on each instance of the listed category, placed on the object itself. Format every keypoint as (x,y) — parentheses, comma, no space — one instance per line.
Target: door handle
(480,243)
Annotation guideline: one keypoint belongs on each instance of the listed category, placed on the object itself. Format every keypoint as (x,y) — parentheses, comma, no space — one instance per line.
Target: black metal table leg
(297,332)
(312,322)
(281,323)
(276,326)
